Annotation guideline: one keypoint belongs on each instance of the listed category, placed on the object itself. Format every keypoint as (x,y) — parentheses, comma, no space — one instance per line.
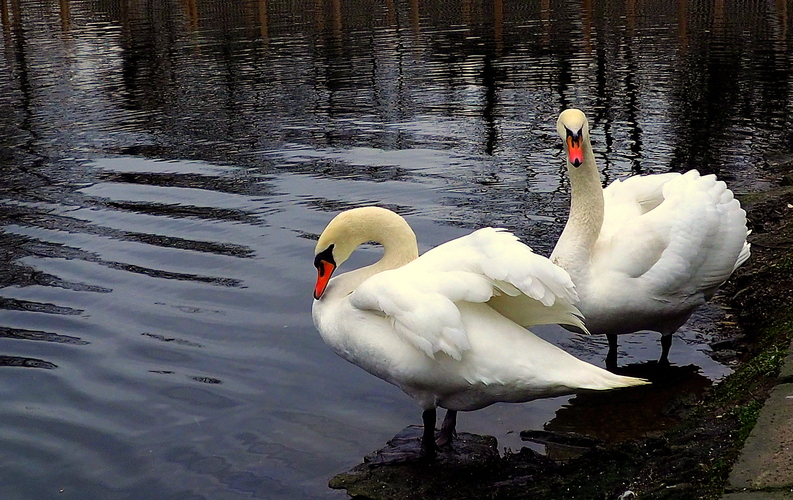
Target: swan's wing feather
(689,242)
(644,190)
(625,200)
(421,297)
(724,247)
(511,266)
(526,288)
(422,306)
(708,236)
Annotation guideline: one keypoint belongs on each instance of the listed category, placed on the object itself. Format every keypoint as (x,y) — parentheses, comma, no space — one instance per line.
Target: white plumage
(426,325)
(646,251)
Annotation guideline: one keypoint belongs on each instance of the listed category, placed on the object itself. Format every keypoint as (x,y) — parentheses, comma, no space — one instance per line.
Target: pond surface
(166,167)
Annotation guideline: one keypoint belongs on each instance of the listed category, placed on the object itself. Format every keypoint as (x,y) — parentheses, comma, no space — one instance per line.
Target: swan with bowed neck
(426,324)
(644,252)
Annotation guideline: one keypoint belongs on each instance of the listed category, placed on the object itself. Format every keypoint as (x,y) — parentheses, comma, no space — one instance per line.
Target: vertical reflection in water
(785,62)
(682,26)
(706,94)
(545,22)
(489,82)
(718,17)
(191,12)
(319,16)
(498,26)
(391,14)
(30,160)
(465,12)
(632,89)
(603,112)
(66,16)
(586,9)
(415,20)
(264,24)
(563,52)
(337,22)
(4,15)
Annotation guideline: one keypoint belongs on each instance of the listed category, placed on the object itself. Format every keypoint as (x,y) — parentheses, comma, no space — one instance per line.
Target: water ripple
(20,362)
(40,336)
(38,307)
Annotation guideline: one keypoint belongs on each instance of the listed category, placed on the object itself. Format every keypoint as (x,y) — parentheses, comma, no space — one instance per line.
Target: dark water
(165,165)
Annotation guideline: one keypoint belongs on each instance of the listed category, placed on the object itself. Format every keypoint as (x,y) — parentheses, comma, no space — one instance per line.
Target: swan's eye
(325,256)
(575,136)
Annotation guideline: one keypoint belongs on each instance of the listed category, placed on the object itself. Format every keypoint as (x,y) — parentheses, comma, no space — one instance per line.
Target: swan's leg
(611,357)
(428,447)
(448,428)
(666,343)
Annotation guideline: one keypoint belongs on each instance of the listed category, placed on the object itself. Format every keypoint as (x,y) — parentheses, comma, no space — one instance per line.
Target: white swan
(644,252)
(424,323)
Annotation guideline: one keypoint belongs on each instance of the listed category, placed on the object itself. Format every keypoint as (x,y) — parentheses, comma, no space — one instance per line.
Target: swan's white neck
(574,248)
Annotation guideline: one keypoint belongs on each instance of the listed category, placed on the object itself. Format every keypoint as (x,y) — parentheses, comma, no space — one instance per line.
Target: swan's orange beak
(324,271)
(575,150)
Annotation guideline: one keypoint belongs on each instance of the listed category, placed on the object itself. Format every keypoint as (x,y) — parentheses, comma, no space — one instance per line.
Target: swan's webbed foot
(448,429)
(611,357)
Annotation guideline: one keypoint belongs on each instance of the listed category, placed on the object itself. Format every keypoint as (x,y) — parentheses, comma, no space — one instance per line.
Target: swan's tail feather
(608,381)
(745,253)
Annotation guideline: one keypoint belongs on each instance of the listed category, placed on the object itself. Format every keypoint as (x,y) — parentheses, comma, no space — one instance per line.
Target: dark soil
(690,460)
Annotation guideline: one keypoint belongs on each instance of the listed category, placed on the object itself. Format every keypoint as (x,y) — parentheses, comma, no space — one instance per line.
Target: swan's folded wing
(625,200)
(421,297)
(687,244)
(712,241)
(525,287)
(422,306)
(510,266)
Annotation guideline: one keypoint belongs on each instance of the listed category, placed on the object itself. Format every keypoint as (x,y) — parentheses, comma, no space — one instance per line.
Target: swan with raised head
(424,323)
(644,252)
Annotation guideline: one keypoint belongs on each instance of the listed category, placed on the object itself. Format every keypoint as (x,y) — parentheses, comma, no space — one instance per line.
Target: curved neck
(574,248)
(399,247)
(379,226)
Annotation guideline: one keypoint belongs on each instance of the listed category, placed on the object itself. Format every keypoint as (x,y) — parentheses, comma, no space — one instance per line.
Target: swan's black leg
(611,357)
(448,428)
(666,343)
(428,447)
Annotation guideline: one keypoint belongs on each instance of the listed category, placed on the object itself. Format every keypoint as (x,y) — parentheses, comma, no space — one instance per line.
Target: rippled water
(166,165)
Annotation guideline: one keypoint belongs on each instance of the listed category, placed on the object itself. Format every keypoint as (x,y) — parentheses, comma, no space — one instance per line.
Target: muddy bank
(690,459)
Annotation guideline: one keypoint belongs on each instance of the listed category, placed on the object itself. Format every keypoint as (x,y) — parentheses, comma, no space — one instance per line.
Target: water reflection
(628,415)
(166,165)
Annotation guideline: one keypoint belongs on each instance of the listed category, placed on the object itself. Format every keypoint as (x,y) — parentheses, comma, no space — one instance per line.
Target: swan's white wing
(527,288)
(719,245)
(421,297)
(630,198)
(422,311)
(512,267)
(690,241)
